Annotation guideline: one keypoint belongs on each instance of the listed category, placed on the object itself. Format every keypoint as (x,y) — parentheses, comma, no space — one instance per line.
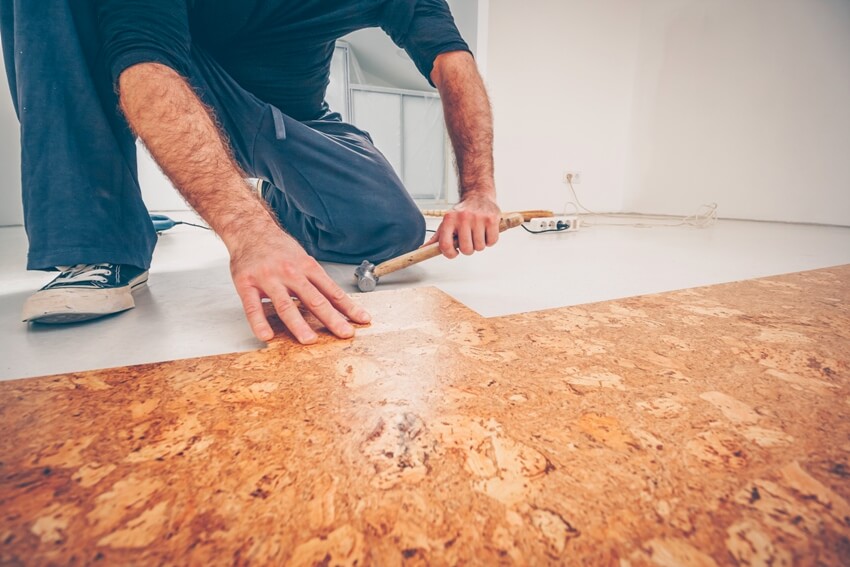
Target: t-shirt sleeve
(144,31)
(425,29)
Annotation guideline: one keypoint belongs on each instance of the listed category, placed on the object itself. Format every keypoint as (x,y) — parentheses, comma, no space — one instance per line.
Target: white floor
(190,308)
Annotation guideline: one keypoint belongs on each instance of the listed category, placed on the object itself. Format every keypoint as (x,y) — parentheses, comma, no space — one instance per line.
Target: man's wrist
(481,191)
(243,221)
(241,232)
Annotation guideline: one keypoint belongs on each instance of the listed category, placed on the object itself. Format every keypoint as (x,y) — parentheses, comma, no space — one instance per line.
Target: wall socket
(572,176)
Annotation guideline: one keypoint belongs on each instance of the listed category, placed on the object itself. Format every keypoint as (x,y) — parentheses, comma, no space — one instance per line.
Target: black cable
(562,229)
(192,224)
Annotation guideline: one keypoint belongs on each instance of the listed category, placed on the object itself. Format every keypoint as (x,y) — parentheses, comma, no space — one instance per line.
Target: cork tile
(701,427)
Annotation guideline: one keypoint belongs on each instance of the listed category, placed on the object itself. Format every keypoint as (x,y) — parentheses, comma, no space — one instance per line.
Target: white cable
(575,209)
(704,217)
(577,203)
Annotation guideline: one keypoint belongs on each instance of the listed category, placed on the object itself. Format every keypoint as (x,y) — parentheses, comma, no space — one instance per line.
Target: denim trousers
(332,189)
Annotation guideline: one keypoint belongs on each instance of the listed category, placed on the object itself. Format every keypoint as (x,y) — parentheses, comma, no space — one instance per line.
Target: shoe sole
(74,305)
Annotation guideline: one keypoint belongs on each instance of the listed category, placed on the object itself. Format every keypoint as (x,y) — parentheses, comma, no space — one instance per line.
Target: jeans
(333,190)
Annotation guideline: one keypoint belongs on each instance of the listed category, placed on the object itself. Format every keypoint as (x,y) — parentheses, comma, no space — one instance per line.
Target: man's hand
(473,224)
(277,267)
(182,136)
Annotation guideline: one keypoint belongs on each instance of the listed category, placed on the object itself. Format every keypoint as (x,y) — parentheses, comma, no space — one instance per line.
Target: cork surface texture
(709,426)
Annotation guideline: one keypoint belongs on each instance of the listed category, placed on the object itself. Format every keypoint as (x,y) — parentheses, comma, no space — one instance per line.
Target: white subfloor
(190,308)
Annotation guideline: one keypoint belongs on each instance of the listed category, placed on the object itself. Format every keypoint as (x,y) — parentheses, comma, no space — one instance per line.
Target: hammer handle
(526,215)
(433,250)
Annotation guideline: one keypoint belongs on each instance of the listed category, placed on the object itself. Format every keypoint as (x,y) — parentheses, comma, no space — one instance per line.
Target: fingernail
(310,339)
(266,336)
(347,331)
(364,316)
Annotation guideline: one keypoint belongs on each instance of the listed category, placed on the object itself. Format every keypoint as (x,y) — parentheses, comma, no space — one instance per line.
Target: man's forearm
(473,223)
(469,120)
(187,144)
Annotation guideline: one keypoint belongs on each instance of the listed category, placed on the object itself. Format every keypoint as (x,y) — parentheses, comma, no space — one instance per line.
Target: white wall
(560,76)
(668,104)
(746,103)
(482,36)
(11,212)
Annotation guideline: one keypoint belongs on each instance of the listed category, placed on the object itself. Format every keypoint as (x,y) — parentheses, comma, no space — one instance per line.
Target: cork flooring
(702,427)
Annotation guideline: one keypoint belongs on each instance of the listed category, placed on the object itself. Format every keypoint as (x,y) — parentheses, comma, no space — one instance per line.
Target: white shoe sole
(72,305)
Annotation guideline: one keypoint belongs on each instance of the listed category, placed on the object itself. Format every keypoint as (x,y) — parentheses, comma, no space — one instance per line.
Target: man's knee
(369,235)
(404,232)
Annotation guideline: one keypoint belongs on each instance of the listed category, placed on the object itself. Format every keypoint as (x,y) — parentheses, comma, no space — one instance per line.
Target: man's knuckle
(284,306)
(261,273)
(290,272)
(337,294)
(241,275)
(252,310)
(315,302)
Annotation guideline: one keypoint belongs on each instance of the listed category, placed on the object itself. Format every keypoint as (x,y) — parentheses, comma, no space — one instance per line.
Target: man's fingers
(464,237)
(479,235)
(291,317)
(492,231)
(434,238)
(446,235)
(319,306)
(253,306)
(340,300)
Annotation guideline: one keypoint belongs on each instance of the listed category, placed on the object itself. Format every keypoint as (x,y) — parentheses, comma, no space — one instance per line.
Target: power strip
(561,224)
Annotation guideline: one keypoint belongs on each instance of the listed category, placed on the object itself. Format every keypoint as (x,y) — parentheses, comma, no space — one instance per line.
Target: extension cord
(561,224)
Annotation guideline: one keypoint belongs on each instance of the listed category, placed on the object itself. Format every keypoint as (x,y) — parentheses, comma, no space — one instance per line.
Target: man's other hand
(265,262)
(277,267)
(473,224)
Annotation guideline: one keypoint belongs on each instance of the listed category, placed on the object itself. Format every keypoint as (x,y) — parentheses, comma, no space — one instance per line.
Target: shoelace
(83,273)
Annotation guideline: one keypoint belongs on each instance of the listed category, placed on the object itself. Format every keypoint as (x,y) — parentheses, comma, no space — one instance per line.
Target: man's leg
(82,203)
(335,192)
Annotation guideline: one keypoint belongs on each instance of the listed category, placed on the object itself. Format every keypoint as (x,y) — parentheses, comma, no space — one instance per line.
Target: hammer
(367,274)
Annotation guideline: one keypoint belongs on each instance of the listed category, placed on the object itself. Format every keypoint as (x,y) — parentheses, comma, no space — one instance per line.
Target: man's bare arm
(185,141)
(475,220)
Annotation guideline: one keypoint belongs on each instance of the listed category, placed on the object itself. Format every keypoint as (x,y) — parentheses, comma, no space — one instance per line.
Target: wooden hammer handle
(526,215)
(433,250)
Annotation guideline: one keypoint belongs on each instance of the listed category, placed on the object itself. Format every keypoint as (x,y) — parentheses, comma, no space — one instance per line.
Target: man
(219,91)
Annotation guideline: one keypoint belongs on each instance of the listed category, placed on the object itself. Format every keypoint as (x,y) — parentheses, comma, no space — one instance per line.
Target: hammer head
(365,276)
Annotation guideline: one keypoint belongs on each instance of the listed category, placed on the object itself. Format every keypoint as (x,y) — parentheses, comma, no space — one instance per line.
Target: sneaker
(85,291)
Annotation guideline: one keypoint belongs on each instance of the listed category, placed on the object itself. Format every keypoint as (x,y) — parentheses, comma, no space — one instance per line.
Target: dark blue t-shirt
(279,50)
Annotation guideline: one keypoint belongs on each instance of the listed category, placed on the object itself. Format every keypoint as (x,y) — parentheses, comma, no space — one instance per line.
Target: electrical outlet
(562,224)
(573,177)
